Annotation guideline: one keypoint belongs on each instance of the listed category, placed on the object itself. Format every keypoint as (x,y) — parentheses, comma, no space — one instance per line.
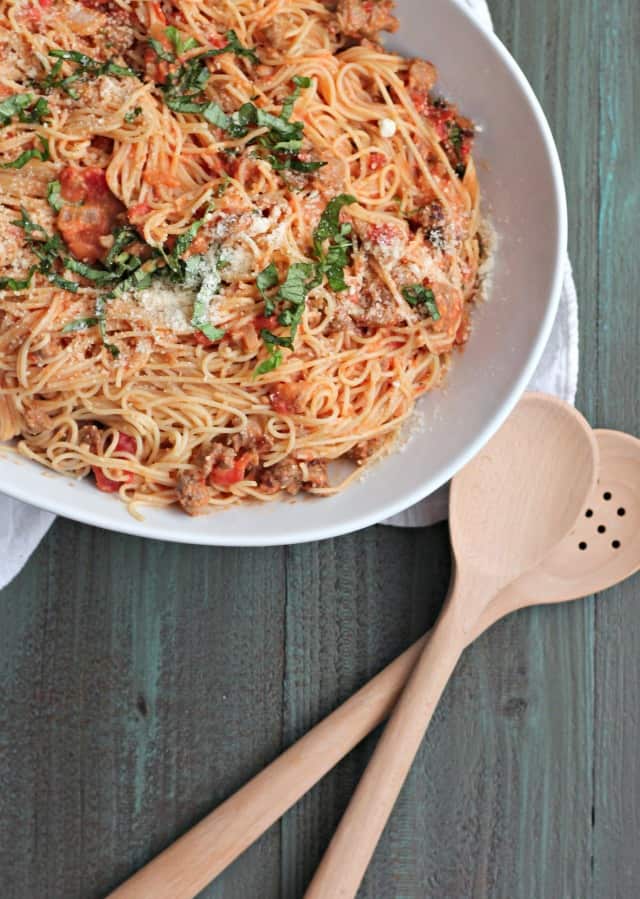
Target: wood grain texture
(141,683)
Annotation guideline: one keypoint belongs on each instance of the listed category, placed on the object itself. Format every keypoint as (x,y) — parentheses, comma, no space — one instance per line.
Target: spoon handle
(345,861)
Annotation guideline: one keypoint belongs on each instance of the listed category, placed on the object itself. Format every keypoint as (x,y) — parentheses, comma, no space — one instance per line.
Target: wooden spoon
(508,509)
(183,869)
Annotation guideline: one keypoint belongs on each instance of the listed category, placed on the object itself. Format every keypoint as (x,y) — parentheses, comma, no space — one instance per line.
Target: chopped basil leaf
(272,361)
(122,237)
(42,154)
(133,114)
(13,106)
(62,282)
(160,51)
(180,43)
(221,189)
(92,274)
(80,324)
(102,325)
(54,196)
(418,295)
(17,283)
(300,83)
(296,284)
(200,316)
(18,105)
(91,66)
(455,136)
(267,279)
(273,339)
(86,68)
(329,224)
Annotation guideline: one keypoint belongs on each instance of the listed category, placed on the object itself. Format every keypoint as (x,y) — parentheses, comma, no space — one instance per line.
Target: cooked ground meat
(285,475)
(422,76)
(118,35)
(431,216)
(364,450)
(359,19)
(211,455)
(274,35)
(193,493)
(330,179)
(288,475)
(223,452)
(91,437)
(37,420)
(317,474)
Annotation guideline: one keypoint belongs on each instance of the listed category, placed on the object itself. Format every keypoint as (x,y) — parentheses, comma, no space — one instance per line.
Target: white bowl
(523,192)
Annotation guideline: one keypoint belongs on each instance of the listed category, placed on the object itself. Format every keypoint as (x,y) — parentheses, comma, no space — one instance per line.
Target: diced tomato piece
(72,186)
(224,477)
(376,161)
(33,14)
(440,119)
(136,213)
(284,397)
(83,226)
(216,40)
(78,185)
(107,485)
(95,180)
(126,444)
(268,322)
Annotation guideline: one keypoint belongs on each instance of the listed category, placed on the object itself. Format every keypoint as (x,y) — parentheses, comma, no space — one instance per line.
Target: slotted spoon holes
(604,526)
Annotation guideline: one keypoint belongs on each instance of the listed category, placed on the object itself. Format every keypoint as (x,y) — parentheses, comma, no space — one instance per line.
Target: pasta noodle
(239,240)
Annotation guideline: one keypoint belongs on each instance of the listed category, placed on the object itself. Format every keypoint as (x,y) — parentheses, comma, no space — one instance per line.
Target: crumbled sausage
(285,475)
(290,476)
(317,475)
(36,420)
(206,457)
(251,437)
(365,449)
(330,179)
(193,493)
(422,76)
(91,437)
(359,19)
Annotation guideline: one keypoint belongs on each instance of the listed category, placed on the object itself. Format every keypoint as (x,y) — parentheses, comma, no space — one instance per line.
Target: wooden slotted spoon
(513,503)
(200,855)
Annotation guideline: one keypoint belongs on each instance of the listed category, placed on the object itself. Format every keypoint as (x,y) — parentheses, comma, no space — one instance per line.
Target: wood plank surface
(141,682)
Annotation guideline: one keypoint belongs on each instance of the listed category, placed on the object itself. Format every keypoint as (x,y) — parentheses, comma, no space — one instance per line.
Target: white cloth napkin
(22,527)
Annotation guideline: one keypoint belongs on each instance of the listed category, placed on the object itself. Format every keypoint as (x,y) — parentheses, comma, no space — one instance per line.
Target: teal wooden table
(143,682)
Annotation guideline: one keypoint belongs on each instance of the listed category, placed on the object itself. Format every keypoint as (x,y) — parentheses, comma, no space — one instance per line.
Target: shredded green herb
(332,248)
(41,153)
(54,197)
(418,295)
(133,114)
(18,283)
(80,324)
(25,106)
(86,68)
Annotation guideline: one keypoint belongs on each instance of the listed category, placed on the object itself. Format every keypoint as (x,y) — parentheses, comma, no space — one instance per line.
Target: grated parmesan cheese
(165,305)
(387,127)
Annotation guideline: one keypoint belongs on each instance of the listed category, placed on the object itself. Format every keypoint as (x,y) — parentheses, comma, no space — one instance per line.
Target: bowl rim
(173,533)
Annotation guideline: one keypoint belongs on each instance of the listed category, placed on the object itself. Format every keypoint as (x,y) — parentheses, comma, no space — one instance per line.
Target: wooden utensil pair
(555,456)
